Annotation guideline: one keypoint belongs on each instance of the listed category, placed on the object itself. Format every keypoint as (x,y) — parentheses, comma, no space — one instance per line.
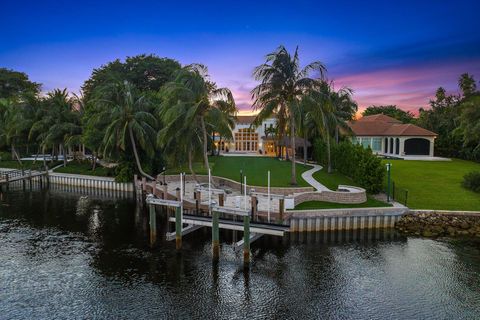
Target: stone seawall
(77,180)
(439,223)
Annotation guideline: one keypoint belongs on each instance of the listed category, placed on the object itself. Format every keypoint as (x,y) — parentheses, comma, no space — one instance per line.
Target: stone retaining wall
(220,182)
(354,195)
(438,223)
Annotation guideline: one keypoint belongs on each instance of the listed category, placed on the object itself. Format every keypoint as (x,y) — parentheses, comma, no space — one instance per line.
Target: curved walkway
(308,177)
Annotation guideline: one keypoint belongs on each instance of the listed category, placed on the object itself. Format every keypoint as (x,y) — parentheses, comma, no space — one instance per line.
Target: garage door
(417,146)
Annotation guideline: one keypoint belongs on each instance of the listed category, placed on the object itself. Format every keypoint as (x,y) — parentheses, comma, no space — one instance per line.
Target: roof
(245,119)
(382,125)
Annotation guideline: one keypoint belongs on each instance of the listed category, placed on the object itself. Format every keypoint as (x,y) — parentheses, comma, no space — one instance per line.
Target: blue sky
(395,52)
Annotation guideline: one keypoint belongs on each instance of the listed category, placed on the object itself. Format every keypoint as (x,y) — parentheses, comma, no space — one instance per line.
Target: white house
(390,137)
(249,139)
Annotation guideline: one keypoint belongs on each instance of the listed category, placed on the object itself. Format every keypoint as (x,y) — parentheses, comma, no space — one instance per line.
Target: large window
(246,140)
(377,144)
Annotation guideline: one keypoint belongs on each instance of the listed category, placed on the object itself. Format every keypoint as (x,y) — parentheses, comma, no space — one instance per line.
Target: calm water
(66,257)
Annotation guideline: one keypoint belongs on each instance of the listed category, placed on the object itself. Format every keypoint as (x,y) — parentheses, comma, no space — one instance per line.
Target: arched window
(391,145)
(386,145)
(397,146)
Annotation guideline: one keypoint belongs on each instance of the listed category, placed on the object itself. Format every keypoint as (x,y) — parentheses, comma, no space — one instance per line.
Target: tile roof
(382,125)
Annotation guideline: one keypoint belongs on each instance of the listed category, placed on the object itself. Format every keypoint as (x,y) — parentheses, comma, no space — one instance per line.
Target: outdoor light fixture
(388,165)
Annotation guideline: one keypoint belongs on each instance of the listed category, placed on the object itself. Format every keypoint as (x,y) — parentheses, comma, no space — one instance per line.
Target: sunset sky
(389,52)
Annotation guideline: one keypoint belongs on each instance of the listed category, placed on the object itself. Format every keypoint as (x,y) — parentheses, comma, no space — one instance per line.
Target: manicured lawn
(328,205)
(255,168)
(197,167)
(85,168)
(332,180)
(436,184)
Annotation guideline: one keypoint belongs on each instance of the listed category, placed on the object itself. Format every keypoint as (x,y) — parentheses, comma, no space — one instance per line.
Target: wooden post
(153,225)
(254,206)
(221,199)
(246,239)
(178,228)
(198,199)
(144,184)
(215,235)
(178,194)
(165,191)
(281,209)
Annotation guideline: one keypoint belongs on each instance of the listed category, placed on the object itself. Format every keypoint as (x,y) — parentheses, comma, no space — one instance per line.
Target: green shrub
(124,172)
(5,156)
(471,181)
(358,163)
(320,152)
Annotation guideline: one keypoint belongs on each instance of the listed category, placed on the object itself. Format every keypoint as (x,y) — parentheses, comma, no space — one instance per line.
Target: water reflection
(65,255)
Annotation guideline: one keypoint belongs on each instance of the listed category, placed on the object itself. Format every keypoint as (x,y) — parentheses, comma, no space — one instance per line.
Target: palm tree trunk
(137,159)
(62,147)
(294,173)
(329,170)
(94,160)
(14,151)
(190,166)
(304,147)
(205,143)
(44,159)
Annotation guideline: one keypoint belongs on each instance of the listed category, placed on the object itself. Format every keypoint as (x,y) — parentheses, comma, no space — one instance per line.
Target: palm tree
(283,83)
(329,110)
(204,104)
(130,121)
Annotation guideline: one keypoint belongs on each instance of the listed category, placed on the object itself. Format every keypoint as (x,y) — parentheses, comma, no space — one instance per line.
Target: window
(366,142)
(377,144)
(246,140)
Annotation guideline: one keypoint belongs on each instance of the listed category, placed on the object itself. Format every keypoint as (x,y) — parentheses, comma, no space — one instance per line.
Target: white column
(402,146)
(432,144)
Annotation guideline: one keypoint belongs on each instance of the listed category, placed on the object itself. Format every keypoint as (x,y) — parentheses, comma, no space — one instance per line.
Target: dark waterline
(62,256)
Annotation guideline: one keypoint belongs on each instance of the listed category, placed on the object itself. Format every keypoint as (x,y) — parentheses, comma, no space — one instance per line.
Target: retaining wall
(353,195)
(344,219)
(105,183)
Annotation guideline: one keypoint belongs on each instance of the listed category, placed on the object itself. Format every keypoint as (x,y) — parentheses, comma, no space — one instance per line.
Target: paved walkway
(308,177)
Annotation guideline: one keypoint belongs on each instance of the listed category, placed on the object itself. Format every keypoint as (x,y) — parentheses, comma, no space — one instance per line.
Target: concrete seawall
(77,180)
(344,219)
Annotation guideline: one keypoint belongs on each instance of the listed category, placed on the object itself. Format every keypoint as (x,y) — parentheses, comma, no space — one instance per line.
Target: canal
(64,256)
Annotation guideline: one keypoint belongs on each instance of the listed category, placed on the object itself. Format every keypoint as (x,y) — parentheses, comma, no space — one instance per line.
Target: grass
(85,168)
(13,164)
(255,168)
(370,203)
(332,180)
(436,184)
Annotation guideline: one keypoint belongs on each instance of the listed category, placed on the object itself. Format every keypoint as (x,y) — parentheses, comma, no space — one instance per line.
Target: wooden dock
(17,175)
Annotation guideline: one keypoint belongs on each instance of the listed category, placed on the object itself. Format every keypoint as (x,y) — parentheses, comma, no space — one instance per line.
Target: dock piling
(153,225)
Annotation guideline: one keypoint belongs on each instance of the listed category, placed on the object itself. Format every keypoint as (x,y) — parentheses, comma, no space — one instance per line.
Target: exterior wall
(76,180)
(402,139)
(260,130)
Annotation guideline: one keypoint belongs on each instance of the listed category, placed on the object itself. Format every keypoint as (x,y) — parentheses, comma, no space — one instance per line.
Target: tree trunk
(137,159)
(205,143)
(190,166)
(327,140)
(212,152)
(94,158)
(44,159)
(16,154)
(329,170)
(304,148)
(64,152)
(36,156)
(294,172)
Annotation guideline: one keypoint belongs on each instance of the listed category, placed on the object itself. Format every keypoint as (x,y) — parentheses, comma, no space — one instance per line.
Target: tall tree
(391,111)
(282,84)
(201,102)
(14,84)
(467,85)
(131,121)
